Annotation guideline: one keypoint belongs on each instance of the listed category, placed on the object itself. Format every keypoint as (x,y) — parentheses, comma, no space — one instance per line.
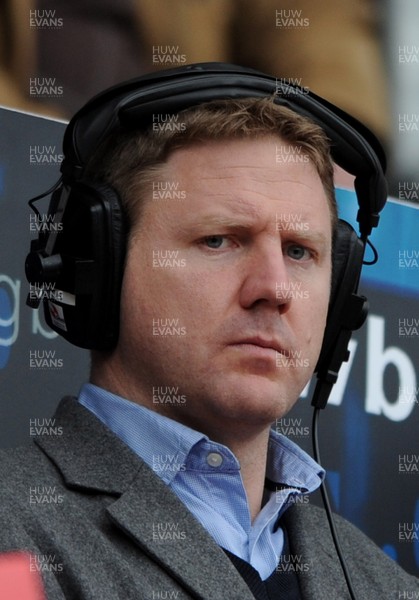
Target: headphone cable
(32,201)
(327,508)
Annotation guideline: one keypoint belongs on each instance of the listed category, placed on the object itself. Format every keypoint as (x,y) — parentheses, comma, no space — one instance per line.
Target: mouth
(258,342)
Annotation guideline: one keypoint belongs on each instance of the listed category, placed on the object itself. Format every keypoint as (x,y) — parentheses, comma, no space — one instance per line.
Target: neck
(250,449)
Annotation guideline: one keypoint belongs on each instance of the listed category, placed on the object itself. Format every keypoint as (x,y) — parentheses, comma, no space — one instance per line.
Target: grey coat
(102,525)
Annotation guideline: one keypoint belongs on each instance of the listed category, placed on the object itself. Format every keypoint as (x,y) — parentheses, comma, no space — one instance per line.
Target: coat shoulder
(371,570)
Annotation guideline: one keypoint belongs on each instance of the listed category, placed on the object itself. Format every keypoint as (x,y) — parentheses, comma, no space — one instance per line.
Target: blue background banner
(396,239)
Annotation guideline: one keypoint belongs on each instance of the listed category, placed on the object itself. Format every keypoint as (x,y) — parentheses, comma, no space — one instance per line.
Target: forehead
(249,177)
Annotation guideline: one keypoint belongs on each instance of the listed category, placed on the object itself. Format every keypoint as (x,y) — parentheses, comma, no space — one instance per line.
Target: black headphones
(76,266)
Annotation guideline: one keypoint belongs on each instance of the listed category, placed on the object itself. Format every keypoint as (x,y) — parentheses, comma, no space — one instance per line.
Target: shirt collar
(168,446)
(152,436)
(290,466)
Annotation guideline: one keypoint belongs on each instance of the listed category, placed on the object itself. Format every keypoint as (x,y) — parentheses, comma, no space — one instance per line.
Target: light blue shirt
(206,475)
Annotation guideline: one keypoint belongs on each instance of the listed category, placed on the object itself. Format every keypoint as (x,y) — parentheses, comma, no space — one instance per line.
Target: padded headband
(131,105)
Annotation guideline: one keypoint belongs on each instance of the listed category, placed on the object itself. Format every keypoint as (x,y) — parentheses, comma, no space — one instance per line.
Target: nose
(266,278)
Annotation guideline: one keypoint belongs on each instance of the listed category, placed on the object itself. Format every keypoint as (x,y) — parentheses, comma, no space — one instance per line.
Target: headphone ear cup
(347,259)
(92,245)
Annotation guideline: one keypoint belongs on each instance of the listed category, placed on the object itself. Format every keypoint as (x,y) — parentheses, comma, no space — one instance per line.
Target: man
(168,479)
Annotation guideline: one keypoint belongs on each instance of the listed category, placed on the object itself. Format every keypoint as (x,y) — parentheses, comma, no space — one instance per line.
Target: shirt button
(214,459)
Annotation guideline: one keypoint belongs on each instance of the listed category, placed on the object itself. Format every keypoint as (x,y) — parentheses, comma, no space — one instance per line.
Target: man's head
(228,268)
(130,161)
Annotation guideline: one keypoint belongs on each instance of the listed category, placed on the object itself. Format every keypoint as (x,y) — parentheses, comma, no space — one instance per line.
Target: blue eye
(297,252)
(214,241)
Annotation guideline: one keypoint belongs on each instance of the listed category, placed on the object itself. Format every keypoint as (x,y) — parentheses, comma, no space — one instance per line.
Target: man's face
(226,286)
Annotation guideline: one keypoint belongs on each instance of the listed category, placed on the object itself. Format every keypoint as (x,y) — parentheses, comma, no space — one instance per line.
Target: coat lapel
(161,525)
(90,457)
(311,546)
